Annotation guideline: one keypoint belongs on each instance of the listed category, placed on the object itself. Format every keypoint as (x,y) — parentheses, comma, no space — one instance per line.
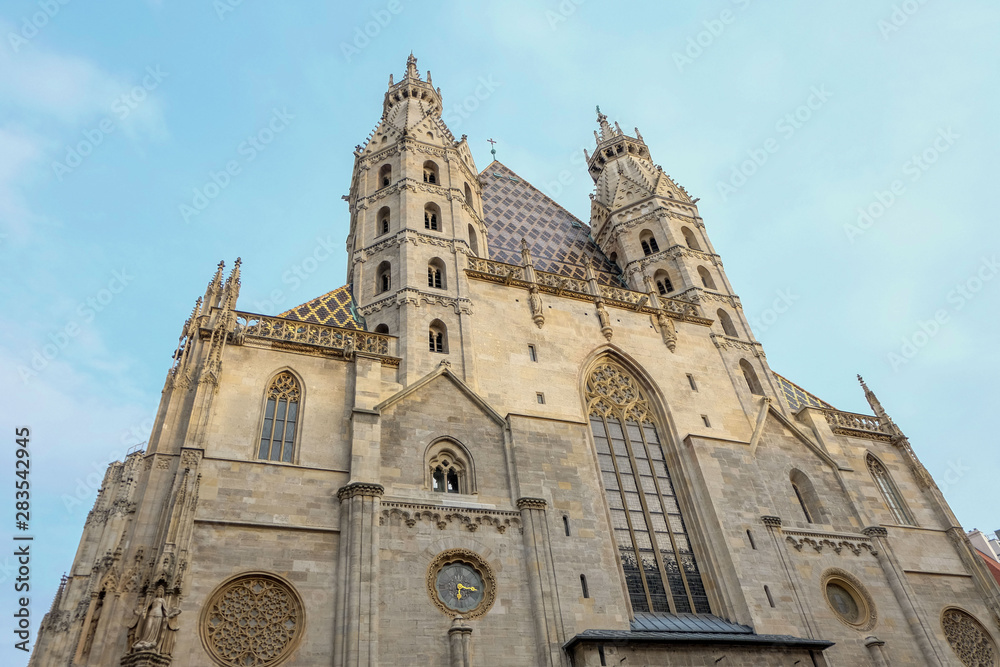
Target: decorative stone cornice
(532,503)
(753,347)
(360,489)
(771,521)
(875,531)
(443,517)
(835,541)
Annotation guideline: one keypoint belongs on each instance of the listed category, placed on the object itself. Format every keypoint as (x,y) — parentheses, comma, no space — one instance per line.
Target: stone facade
(463,412)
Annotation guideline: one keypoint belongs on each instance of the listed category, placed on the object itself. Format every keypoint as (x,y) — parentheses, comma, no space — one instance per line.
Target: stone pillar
(901,590)
(773,524)
(546,612)
(460,643)
(874,646)
(356,626)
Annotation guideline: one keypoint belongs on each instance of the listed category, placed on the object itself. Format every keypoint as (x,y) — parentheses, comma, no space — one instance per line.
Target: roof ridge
(802,389)
(523,179)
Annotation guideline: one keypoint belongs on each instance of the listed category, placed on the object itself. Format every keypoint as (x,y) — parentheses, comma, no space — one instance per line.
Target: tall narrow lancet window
(890,493)
(653,546)
(277,436)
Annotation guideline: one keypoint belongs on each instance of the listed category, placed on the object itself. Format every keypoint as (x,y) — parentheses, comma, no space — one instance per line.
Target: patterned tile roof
(334,309)
(797,397)
(559,242)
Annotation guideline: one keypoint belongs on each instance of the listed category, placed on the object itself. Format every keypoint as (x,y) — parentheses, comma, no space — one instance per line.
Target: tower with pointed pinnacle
(416,214)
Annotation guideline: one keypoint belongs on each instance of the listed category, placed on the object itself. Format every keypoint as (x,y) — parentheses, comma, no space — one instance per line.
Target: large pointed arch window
(277,437)
(890,493)
(653,546)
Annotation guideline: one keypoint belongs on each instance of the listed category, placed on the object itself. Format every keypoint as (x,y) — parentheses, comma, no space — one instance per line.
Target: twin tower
(417,215)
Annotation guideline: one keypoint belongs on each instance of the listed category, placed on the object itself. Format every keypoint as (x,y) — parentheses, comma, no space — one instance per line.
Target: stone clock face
(459,587)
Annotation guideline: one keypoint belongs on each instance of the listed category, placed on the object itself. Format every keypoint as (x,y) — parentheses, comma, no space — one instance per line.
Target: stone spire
(877,408)
(411,68)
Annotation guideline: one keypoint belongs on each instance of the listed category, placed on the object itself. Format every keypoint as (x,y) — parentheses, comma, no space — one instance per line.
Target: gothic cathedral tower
(416,214)
(650,228)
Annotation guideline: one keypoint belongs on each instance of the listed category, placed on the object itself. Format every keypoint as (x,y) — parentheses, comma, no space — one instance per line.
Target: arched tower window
(473,241)
(468,194)
(431,172)
(750,375)
(653,547)
(385,175)
(648,242)
(383,220)
(663,284)
(706,277)
(437,337)
(805,494)
(277,435)
(435,274)
(432,214)
(383,277)
(449,468)
(890,494)
(689,239)
(727,323)
(382,329)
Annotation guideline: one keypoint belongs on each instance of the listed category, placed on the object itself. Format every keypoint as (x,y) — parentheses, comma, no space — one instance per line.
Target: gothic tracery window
(653,545)
(449,468)
(277,436)
(437,337)
(970,641)
(431,216)
(890,493)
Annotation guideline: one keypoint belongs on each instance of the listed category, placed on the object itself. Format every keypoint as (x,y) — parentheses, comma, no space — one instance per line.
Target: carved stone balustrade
(291,333)
(858,426)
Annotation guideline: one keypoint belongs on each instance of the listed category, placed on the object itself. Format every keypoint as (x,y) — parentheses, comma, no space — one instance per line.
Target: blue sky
(787,120)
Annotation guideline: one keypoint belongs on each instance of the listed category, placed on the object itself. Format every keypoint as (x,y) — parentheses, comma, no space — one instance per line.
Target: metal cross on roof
(493,149)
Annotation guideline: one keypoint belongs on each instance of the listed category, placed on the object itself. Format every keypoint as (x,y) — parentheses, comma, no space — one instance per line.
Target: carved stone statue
(602,315)
(667,329)
(349,347)
(153,624)
(536,307)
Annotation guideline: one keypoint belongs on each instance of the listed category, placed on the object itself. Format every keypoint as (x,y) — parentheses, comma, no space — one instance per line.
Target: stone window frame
(867,612)
(971,618)
(640,406)
(287,652)
(297,435)
(891,496)
(461,460)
